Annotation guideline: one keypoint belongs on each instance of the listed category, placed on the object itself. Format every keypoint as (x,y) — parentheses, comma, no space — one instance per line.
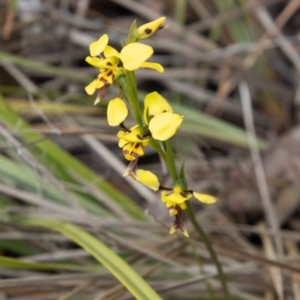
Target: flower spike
(156,124)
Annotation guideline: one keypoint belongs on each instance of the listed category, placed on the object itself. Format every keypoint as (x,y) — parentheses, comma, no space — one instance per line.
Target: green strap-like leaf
(14,263)
(111,261)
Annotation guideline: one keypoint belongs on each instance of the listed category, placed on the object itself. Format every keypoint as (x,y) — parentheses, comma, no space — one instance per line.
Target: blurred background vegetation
(232,68)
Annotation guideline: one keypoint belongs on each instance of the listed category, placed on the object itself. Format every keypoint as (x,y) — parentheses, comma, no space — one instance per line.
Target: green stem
(170,161)
(128,85)
(210,249)
(155,145)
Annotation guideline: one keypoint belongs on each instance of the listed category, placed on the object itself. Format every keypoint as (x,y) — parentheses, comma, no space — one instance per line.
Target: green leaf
(181,172)
(16,246)
(43,67)
(110,260)
(170,160)
(14,263)
(214,128)
(132,35)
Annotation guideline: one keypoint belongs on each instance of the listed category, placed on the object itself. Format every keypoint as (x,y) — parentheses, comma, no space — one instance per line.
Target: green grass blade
(43,67)
(24,177)
(209,126)
(14,263)
(60,162)
(111,261)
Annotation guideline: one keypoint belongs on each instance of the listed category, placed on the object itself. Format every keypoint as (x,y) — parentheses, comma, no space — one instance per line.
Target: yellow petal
(133,151)
(158,67)
(208,199)
(147,178)
(146,30)
(172,230)
(98,99)
(134,54)
(185,233)
(135,136)
(138,149)
(164,126)
(90,89)
(107,76)
(154,105)
(174,198)
(122,143)
(110,51)
(182,206)
(106,64)
(116,112)
(97,47)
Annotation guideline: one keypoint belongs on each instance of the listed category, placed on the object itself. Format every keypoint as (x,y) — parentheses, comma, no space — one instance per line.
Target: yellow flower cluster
(112,63)
(156,123)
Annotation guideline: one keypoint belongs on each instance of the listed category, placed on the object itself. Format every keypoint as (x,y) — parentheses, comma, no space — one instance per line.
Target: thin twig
(270,212)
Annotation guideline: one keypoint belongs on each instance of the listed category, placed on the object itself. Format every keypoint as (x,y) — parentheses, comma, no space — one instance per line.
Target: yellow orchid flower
(176,196)
(133,142)
(111,63)
(148,29)
(179,195)
(134,134)
(175,200)
(132,57)
(159,116)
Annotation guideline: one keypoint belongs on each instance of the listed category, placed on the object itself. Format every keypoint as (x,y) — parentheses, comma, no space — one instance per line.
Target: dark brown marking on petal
(147,134)
(165,188)
(148,30)
(178,224)
(109,73)
(189,191)
(104,81)
(178,208)
(109,64)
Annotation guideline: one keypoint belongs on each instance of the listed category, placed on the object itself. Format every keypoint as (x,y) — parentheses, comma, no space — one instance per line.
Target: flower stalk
(213,254)
(128,85)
